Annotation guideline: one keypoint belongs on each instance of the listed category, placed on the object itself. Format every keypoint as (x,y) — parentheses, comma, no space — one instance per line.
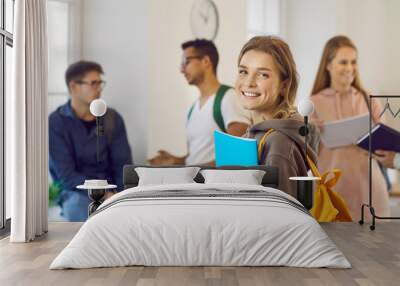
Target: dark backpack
(109,124)
(217,114)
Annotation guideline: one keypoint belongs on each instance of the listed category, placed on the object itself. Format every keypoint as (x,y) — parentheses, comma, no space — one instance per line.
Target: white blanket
(201,230)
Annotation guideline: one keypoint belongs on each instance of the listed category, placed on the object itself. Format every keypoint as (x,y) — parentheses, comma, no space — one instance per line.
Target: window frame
(6,39)
(74,52)
(269,15)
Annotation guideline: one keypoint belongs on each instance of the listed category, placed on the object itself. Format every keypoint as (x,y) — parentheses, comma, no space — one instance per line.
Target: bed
(197,224)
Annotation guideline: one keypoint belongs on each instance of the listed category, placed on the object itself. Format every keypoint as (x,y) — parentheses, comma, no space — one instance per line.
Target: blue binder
(383,137)
(233,150)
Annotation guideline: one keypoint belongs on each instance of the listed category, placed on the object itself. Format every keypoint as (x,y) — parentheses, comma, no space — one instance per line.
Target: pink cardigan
(352,160)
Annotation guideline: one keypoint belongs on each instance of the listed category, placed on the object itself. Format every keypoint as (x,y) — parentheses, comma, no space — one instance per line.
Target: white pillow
(165,176)
(248,177)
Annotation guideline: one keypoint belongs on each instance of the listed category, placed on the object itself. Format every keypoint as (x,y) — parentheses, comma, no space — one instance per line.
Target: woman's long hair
(323,78)
(283,59)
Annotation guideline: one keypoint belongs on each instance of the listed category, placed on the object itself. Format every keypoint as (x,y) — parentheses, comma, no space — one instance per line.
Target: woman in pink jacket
(337,94)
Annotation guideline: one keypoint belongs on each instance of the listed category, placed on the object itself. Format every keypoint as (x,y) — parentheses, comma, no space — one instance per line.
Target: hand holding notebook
(383,138)
(355,130)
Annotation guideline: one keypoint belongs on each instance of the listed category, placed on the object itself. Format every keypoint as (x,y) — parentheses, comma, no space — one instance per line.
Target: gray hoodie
(284,148)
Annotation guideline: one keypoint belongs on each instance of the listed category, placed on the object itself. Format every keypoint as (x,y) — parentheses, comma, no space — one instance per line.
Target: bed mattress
(201,225)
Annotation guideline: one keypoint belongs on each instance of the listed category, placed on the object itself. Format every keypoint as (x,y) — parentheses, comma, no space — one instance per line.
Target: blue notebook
(383,137)
(233,150)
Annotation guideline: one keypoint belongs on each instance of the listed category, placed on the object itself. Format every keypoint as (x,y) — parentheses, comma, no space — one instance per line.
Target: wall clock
(204,19)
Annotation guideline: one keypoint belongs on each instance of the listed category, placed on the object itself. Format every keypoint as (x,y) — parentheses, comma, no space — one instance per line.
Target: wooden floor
(375,257)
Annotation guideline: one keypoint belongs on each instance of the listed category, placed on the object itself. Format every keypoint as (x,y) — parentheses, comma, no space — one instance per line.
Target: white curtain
(27,142)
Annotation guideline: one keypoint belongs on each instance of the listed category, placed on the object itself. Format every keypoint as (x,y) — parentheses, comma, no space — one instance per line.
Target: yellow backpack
(328,205)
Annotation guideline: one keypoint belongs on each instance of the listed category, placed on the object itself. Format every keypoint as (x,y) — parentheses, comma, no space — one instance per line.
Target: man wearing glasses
(216,108)
(72,141)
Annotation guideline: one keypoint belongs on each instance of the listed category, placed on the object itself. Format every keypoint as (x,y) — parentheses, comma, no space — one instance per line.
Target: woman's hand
(386,158)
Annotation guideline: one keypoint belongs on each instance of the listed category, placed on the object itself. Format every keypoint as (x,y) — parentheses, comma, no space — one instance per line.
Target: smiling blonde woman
(267,84)
(338,94)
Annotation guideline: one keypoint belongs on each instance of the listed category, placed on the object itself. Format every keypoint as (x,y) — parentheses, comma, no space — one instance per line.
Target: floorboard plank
(374,255)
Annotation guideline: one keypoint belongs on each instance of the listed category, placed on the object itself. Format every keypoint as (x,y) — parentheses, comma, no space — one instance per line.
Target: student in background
(72,141)
(267,84)
(337,94)
(215,109)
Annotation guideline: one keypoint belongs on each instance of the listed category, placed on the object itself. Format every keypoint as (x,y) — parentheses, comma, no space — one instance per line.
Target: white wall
(374,27)
(64,35)
(115,34)
(307,25)
(170,96)
(371,24)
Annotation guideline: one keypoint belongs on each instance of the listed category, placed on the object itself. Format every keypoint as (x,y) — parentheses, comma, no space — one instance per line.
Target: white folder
(345,131)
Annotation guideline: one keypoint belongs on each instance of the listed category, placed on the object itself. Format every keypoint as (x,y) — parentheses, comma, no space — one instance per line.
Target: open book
(355,130)
(383,137)
(233,150)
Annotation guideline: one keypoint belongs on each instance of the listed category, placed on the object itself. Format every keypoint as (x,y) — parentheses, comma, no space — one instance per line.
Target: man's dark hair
(204,48)
(78,70)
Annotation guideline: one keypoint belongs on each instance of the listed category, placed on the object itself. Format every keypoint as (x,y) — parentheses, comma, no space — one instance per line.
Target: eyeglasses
(94,83)
(186,60)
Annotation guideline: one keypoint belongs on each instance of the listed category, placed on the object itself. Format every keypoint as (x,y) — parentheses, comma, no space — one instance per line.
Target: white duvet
(183,231)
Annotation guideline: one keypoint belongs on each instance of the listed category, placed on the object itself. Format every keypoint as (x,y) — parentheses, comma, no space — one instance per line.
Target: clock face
(204,19)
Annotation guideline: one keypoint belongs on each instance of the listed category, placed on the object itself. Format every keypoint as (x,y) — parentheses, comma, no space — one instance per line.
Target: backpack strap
(217,113)
(190,112)
(261,150)
(109,124)
(262,154)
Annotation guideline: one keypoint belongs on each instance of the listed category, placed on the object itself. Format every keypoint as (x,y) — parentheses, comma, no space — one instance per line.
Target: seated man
(217,107)
(72,141)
